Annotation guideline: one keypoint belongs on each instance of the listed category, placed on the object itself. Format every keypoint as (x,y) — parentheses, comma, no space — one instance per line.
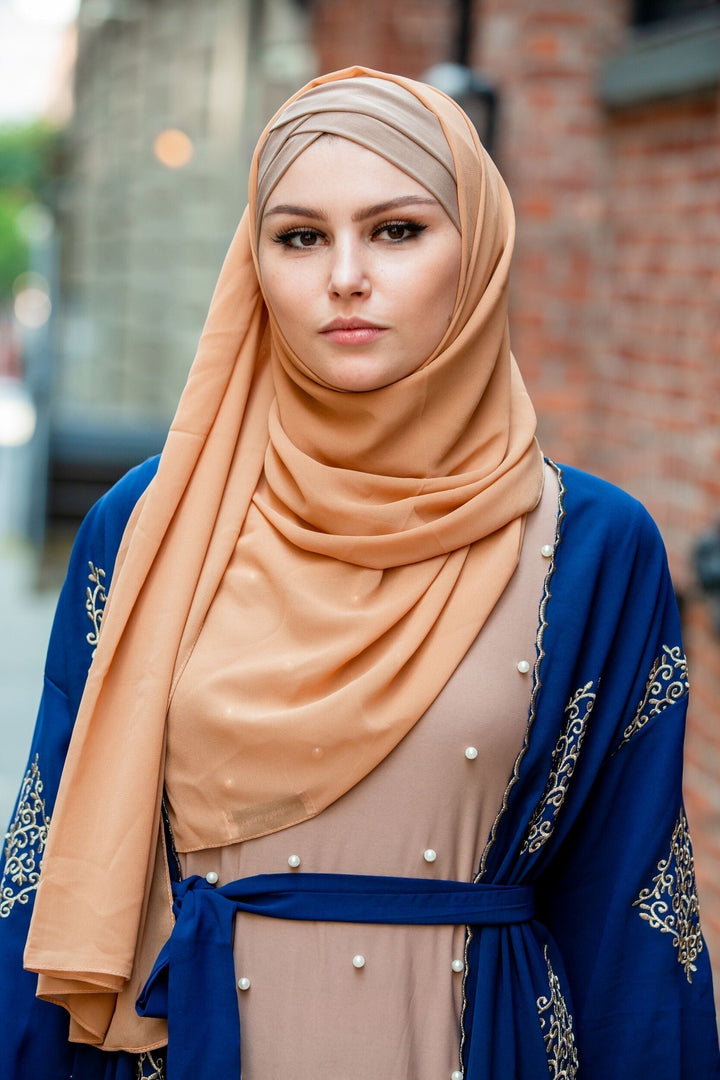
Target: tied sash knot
(193,981)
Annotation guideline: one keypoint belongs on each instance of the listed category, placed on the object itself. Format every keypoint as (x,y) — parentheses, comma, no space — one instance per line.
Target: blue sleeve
(33,1033)
(620,895)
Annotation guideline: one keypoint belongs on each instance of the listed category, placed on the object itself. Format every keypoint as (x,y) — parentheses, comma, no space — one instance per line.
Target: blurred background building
(604,119)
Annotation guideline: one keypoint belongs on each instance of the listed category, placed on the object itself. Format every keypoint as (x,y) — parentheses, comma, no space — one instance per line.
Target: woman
(388,706)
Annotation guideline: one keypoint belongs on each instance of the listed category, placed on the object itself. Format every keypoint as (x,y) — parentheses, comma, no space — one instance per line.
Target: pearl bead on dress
(358,961)
(211,878)
(471,753)
(523,667)
(243,983)
(458,966)
(294,861)
(546,551)
(429,855)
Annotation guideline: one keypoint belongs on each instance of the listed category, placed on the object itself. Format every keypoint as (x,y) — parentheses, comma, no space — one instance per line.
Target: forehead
(335,171)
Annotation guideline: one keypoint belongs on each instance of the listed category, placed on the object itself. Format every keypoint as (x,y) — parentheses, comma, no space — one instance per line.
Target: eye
(299,238)
(397,231)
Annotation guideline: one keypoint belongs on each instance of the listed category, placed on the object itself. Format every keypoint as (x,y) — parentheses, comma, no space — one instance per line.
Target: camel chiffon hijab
(369,537)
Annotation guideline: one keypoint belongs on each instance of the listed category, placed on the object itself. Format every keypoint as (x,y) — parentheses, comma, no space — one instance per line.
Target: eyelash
(414,228)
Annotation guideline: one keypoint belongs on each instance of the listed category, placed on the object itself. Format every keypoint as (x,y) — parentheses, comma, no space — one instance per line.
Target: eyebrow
(360,215)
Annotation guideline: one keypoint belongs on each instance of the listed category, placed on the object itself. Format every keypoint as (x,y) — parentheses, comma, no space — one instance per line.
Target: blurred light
(32,308)
(173,148)
(32,300)
(35,222)
(31,280)
(453,79)
(49,12)
(17,413)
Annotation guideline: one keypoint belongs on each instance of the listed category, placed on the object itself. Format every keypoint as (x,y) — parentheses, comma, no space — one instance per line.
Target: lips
(352,331)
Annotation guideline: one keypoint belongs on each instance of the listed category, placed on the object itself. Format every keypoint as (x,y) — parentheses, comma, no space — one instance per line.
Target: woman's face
(359,264)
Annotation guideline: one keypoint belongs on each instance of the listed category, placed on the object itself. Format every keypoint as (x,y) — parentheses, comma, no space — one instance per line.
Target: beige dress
(363,1002)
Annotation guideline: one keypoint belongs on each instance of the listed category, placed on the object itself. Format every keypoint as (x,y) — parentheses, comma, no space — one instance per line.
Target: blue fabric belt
(193,981)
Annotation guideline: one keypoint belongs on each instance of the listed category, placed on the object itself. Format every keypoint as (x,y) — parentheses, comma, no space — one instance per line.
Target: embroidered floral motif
(671,905)
(150,1066)
(556,1024)
(24,843)
(565,756)
(668,683)
(95,599)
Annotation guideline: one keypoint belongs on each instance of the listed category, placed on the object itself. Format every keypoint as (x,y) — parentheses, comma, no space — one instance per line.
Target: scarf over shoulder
(408,501)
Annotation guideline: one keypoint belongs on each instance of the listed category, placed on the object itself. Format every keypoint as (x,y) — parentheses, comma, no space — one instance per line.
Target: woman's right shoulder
(104,524)
(118,502)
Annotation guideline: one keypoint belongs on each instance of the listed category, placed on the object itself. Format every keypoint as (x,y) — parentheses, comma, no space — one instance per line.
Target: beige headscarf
(394,521)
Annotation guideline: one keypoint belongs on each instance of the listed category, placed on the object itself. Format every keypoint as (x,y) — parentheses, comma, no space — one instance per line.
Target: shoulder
(105,523)
(604,516)
(98,538)
(122,496)
(610,561)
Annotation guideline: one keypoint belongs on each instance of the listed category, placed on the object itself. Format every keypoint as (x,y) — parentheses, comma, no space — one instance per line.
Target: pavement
(26,614)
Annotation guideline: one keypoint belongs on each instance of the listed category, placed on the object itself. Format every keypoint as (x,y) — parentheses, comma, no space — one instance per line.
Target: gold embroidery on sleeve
(565,756)
(668,683)
(24,843)
(671,905)
(95,599)
(556,1024)
(150,1066)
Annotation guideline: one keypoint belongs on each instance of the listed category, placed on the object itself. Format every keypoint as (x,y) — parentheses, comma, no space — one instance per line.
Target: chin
(360,378)
(361,385)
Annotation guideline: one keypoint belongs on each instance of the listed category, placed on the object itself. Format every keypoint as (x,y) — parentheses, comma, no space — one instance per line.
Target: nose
(348,269)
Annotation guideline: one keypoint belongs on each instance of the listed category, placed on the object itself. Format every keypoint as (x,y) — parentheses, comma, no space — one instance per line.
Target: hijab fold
(340,551)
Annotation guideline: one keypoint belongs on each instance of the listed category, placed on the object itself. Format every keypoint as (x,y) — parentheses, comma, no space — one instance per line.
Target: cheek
(434,303)
(289,295)
(281,298)
(436,298)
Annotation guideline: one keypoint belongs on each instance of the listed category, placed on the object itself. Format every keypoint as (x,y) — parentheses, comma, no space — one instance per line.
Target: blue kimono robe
(601,972)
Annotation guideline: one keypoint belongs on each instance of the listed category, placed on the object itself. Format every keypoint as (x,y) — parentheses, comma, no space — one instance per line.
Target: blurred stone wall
(144,240)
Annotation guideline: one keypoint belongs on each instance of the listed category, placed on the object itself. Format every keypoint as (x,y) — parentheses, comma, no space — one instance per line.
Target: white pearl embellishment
(523,667)
(471,753)
(546,551)
(358,961)
(457,1075)
(243,983)
(458,966)
(294,861)
(211,878)
(429,855)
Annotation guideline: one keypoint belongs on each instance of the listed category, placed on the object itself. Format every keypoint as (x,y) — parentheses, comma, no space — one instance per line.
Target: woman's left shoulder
(604,513)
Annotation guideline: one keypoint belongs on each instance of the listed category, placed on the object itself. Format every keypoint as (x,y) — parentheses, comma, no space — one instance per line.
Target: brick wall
(405,36)
(616,288)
